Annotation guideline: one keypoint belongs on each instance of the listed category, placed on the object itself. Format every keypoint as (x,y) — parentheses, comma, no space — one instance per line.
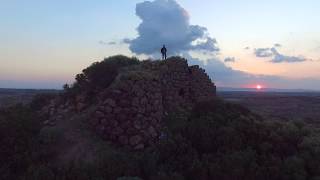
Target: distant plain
(282,106)
(300,106)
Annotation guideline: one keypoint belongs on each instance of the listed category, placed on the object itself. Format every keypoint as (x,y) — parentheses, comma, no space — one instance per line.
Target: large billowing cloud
(276,56)
(166,22)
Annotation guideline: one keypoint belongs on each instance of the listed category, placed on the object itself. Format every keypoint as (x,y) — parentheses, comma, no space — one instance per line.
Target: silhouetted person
(164,52)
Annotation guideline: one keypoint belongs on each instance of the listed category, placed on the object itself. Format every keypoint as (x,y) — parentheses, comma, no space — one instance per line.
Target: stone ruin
(130,111)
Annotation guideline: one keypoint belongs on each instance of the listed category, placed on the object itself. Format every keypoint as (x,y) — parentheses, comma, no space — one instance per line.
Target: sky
(44,43)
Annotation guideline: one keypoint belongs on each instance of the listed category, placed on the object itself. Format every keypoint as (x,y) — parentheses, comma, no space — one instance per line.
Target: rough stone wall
(200,84)
(130,111)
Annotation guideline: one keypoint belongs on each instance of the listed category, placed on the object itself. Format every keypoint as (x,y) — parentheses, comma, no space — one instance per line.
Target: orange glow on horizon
(254,86)
(259,87)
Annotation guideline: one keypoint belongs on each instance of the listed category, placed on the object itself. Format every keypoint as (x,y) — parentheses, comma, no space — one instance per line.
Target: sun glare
(259,87)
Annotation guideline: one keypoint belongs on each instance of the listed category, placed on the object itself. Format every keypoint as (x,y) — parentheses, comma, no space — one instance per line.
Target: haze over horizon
(275,44)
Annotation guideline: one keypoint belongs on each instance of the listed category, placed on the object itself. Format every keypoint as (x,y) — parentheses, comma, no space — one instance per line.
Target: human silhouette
(164,52)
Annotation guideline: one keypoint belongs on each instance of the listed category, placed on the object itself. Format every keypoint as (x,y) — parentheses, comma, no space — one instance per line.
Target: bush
(216,140)
(229,142)
(100,74)
(19,127)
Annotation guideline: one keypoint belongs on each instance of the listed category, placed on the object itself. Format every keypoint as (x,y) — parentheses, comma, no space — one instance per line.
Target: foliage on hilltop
(99,75)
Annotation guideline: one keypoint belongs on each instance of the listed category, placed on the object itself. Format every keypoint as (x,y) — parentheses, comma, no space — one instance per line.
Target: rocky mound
(135,104)
(129,112)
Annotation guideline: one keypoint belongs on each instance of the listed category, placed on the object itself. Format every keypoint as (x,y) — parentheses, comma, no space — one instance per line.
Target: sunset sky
(45,43)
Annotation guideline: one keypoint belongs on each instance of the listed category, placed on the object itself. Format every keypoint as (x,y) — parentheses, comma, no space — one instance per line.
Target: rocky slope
(130,111)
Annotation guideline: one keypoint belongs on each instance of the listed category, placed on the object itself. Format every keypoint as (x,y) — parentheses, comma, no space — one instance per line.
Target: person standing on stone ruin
(164,52)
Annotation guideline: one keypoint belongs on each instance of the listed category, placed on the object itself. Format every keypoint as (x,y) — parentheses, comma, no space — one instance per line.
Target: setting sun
(259,87)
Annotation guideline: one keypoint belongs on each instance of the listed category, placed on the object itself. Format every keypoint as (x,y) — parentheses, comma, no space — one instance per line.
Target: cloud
(276,56)
(107,43)
(126,41)
(230,59)
(279,58)
(224,76)
(102,42)
(166,22)
(220,73)
(277,45)
(263,52)
(112,43)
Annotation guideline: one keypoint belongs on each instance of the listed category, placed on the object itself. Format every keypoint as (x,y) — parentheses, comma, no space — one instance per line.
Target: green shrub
(216,140)
(229,142)
(100,74)
(19,127)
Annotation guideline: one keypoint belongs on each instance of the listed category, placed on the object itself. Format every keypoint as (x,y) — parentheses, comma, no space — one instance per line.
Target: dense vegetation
(98,75)
(217,140)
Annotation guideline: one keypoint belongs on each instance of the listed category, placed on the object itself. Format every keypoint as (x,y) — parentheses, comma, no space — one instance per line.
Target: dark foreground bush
(19,127)
(216,140)
(225,141)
